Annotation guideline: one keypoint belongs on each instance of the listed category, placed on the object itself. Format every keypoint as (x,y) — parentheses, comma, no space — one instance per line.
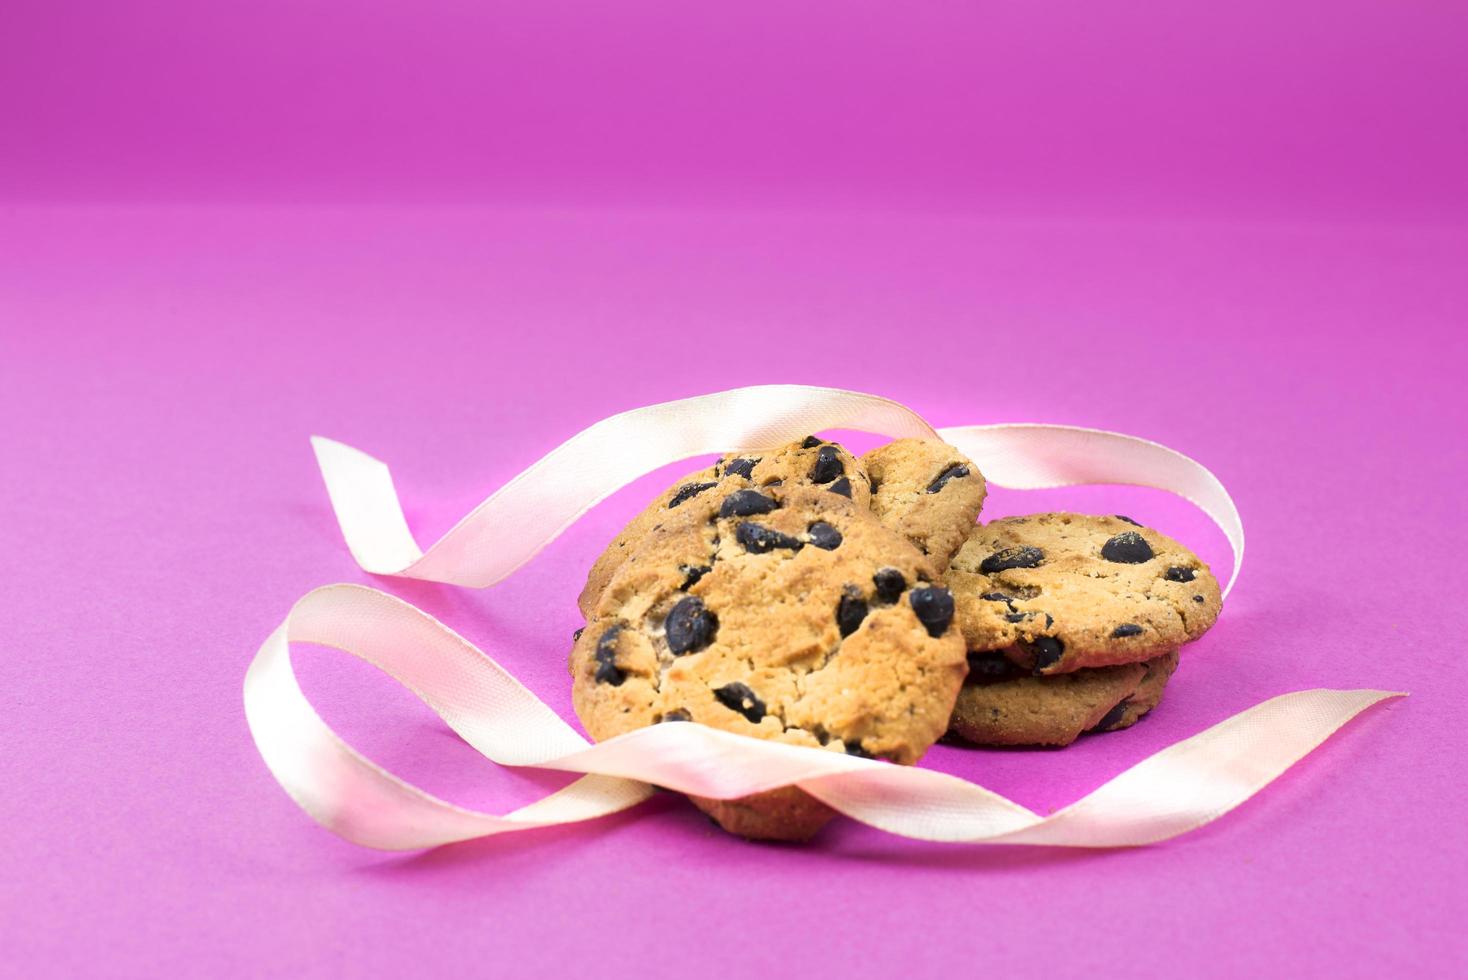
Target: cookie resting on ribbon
(811,462)
(788,613)
(1057,592)
(928,492)
(1002,704)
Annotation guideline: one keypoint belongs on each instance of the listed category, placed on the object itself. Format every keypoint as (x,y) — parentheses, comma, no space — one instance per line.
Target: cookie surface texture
(1058,592)
(810,462)
(928,492)
(797,618)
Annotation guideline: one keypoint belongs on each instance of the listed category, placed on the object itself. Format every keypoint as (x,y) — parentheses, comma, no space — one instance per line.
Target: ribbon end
(326,448)
(361,491)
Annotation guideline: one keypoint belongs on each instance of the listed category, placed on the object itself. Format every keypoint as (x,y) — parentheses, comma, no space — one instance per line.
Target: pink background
(453,234)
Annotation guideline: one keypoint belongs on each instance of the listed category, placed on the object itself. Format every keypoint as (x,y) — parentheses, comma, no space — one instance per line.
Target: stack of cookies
(855,605)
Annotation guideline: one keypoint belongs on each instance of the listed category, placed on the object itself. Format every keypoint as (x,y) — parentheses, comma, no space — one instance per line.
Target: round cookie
(811,461)
(926,491)
(1000,704)
(789,614)
(1057,592)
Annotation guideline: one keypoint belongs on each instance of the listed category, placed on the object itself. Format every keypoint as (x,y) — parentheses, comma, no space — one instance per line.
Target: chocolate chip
(1123,517)
(747,503)
(872,482)
(955,472)
(995,597)
(1126,629)
(577,635)
(677,714)
(740,467)
(854,748)
(758,539)
(738,697)
(607,671)
(1127,548)
(824,536)
(828,465)
(986,668)
(934,608)
(1011,558)
(1113,717)
(689,491)
(1177,573)
(1048,651)
(841,486)
(890,584)
(810,442)
(1197,598)
(1015,617)
(849,613)
(690,627)
(692,573)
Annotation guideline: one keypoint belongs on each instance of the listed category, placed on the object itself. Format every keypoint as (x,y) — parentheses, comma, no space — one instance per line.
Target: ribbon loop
(513,524)
(1025,456)
(1178,789)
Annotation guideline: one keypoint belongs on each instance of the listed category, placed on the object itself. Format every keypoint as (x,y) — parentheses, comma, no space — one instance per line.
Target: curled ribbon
(1178,789)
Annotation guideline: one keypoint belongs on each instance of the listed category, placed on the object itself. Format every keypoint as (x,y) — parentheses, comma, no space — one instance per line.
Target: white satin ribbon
(515,522)
(1180,788)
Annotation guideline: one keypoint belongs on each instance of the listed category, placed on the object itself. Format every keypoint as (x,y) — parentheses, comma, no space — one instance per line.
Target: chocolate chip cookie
(811,462)
(1057,592)
(1002,704)
(787,613)
(926,491)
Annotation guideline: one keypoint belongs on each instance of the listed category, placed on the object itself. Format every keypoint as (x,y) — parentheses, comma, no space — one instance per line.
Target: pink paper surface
(456,236)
